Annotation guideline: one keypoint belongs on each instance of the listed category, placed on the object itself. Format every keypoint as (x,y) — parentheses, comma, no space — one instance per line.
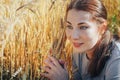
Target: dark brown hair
(102,51)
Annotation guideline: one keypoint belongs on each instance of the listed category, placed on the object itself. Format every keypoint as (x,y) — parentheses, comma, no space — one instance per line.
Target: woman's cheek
(68,33)
(92,41)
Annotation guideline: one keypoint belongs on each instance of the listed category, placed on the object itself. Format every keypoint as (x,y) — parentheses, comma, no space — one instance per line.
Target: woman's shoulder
(115,55)
(116,51)
(112,70)
(118,44)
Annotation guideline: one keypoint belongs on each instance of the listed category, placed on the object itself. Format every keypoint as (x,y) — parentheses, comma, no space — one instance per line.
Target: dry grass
(113,8)
(29,28)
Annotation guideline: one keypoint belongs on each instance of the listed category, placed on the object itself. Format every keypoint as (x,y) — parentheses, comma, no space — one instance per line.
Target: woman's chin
(77,50)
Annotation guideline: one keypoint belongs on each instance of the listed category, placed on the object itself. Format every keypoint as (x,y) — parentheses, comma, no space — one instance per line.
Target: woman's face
(82,31)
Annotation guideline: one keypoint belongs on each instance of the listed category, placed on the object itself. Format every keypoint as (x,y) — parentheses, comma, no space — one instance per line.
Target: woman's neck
(89,54)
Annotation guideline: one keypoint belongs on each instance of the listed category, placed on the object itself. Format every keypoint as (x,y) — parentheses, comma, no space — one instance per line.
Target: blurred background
(28,29)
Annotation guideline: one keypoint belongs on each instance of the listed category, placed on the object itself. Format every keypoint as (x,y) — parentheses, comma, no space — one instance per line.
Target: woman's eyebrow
(81,23)
(78,23)
(68,22)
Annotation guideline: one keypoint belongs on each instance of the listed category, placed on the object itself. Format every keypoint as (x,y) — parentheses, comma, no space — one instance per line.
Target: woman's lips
(77,45)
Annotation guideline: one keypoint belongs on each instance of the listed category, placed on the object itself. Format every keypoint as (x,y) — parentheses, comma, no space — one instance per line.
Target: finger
(50,64)
(55,61)
(57,67)
(65,66)
(44,74)
(62,63)
(46,69)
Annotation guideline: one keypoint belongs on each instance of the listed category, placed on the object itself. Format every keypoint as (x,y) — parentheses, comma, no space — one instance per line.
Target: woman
(96,56)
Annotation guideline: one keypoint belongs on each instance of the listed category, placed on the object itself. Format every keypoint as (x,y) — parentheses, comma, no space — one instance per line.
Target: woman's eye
(69,27)
(83,27)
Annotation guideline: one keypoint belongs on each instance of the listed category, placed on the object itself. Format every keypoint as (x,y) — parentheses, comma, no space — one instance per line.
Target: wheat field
(30,28)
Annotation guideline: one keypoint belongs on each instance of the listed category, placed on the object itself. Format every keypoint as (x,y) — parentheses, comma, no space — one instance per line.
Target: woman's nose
(75,34)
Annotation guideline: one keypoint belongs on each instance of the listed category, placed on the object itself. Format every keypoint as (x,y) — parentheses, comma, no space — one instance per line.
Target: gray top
(111,70)
(118,44)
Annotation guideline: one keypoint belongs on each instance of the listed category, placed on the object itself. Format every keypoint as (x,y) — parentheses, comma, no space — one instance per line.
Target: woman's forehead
(78,16)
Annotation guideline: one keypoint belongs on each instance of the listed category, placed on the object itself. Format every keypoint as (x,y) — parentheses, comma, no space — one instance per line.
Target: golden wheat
(29,28)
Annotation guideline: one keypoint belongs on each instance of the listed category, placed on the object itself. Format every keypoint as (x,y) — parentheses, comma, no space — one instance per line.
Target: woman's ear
(103,27)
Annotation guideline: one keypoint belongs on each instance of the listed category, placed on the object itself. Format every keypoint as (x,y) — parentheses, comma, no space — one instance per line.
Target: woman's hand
(54,70)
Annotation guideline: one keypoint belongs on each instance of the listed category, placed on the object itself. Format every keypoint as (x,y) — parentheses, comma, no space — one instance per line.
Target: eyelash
(81,27)
(69,27)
